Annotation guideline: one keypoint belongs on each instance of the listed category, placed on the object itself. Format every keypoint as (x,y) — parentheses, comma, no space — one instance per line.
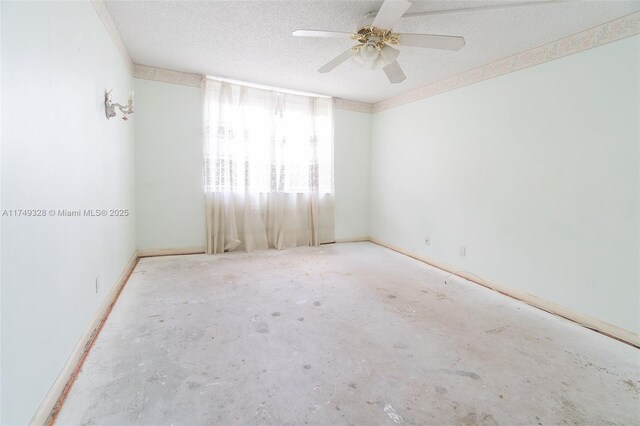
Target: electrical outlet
(97,285)
(463,251)
(427,241)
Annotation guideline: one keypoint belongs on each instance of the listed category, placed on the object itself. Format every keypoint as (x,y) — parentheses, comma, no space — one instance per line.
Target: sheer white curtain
(268,168)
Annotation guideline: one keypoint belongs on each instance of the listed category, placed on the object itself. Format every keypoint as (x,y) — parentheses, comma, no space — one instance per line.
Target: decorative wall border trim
(354,106)
(617,29)
(105,16)
(167,76)
(177,77)
(597,36)
(195,80)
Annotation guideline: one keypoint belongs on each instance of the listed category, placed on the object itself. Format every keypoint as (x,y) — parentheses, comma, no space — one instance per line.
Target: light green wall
(536,173)
(169,158)
(352,162)
(58,152)
(169,161)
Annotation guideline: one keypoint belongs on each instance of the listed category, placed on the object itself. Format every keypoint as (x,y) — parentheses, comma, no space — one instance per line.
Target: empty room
(320,212)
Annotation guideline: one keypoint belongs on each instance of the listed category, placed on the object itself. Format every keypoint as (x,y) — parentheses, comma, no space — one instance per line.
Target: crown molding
(594,37)
(195,80)
(354,106)
(608,32)
(105,17)
(167,76)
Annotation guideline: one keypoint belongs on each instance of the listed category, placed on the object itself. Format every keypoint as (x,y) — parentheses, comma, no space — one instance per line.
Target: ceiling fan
(375,39)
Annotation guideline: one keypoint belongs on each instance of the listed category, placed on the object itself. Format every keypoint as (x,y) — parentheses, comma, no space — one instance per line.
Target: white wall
(536,172)
(352,163)
(0,216)
(169,161)
(58,152)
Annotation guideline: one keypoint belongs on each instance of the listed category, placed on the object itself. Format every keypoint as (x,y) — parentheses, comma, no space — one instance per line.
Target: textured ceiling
(251,40)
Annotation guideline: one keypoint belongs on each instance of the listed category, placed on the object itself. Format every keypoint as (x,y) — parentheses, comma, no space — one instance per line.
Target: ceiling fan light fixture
(372,57)
(389,54)
(369,52)
(377,63)
(375,35)
(358,59)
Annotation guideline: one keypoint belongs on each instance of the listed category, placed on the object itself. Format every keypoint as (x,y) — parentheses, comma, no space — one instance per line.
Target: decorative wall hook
(110,106)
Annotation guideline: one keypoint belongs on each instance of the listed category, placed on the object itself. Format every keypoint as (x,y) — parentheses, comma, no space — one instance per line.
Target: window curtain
(268,168)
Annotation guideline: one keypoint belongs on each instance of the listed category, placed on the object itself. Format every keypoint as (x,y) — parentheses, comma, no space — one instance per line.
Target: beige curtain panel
(268,168)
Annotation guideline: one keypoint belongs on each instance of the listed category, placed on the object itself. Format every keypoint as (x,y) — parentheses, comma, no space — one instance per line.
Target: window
(266,141)
(269,168)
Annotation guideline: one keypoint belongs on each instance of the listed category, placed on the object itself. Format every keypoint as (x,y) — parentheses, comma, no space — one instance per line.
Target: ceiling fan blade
(320,33)
(347,54)
(432,41)
(390,13)
(394,72)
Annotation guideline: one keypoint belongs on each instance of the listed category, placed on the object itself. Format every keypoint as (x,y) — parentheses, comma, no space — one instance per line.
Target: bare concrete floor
(341,334)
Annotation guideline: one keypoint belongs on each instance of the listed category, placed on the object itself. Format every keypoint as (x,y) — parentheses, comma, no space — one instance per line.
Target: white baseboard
(551,307)
(352,240)
(52,403)
(170,251)
(50,406)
